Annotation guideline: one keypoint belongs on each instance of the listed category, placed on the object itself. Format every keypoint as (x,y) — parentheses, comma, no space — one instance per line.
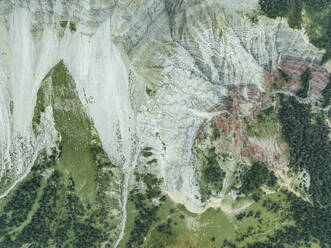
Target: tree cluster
(305,78)
(326,93)
(309,145)
(256,176)
(212,175)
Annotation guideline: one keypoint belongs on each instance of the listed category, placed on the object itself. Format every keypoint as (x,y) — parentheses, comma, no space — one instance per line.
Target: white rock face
(32,41)
(31,44)
(26,57)
(102,83)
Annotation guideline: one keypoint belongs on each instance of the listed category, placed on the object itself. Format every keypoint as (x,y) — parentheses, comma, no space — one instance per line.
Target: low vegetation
(265,126)
(147,209)
(310,225)
(174,226)
(72,25)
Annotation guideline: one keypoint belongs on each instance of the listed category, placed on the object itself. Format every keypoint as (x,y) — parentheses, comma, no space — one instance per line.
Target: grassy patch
(265,126)
(176,227)
(146,201)
(132,213)
(69,199)
(256,226)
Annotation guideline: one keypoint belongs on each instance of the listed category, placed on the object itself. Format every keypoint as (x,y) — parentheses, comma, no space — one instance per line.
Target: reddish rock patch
(319,76)
(233,126)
